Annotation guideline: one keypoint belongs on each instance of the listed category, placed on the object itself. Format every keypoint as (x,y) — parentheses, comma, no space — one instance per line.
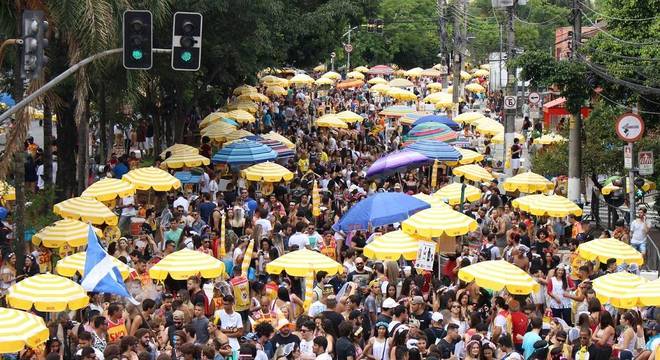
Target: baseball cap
(436,316)
(389,303)
(417,300)
(250,336)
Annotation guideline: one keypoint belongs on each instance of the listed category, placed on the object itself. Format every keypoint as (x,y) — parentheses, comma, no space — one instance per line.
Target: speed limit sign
(509,102)
(348,48)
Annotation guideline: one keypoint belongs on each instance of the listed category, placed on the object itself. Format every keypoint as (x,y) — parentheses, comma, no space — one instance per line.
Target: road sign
(534,98)
(425,255)
(332,54)
(630,127)
(509,102)
(627,156)
(348,48)
(645,162)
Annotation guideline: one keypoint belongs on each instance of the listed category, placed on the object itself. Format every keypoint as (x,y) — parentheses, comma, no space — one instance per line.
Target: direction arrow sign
(534,98)
(630,127)
(509,102)
(348,48)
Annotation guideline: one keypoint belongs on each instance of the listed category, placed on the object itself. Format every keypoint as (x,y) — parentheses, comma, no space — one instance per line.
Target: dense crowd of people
(376,310)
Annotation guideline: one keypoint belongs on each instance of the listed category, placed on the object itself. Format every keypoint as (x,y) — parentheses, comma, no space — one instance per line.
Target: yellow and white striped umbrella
(223,236)
(254,96)
(452,193)
(268,172)
(468,117)
(547,205)
(301,262)
(614,288)
(401,94)
(309,289)
(182,264)
(47,293)
(414,72)
(355,75)
(465,75)
(499,138)
(438,97)
(610,248)
(380,88)
(244,105)
(316,200)
(270,80)
(434,86)
(319,68)
(301,79)
(247,258)
(75,264)
(401,83)
(276,90)
(647,294)
(19,329)
(475,88)
(237,135)
(392,246)
(469,157)
(331,121)
(331,75)
(86,209)
(548,139)
(433,201)
(7,192)
(528,183)
(488,126)
(473,172)
(431,72)
(362,69)
(178,161)
(64,232)
(349,116)
(244,89)
(180,149)
(152,178)
(109,189)
(211,118)
(481,73)
(323,81)
(499,274)
(438,221)
(218,131)
(484,66)
(241,116)
(377,81)
(277,137)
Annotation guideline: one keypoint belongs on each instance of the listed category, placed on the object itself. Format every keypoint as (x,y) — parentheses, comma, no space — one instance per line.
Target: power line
(635,58)
(553,20)
(603,74)
(625,106)
(584,4)
(598,28)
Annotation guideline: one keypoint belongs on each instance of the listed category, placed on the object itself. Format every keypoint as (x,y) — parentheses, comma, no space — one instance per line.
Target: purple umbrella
(396,161)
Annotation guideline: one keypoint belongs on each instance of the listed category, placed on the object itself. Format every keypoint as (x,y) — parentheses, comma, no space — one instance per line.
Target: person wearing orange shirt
(117,327)
(328,246)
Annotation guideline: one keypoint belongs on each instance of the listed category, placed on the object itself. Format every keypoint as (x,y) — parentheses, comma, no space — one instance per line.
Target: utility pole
(348,53)
(575,122)
(442,29)
(459,7)
(509,114)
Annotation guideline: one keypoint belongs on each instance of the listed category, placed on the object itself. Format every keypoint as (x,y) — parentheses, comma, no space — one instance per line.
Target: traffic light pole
(59,78)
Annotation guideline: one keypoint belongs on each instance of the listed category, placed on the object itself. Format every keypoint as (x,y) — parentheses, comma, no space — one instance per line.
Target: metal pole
(457,54)
(59,78)
(631,186)
(509,114)
(499,76)
(575,122)
(348,53)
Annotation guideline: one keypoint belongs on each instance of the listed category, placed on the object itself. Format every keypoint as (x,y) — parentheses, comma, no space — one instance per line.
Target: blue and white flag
(101,273)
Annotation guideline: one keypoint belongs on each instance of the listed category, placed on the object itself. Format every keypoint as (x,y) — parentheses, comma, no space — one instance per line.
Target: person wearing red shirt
(519,323)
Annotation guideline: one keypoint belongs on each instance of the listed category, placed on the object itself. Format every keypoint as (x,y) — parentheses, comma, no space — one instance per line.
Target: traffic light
(379,26)
(137,39)
(34,29)
(187,41)
(371,25)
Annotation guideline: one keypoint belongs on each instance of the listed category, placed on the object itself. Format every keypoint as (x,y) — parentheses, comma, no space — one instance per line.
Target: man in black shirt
(344,347)
(386,313)
(447,344)
(331,312)
(418,311)
(435,331)
(284,335)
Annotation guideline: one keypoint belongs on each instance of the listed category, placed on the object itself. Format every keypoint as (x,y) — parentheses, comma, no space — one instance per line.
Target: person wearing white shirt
(639,229)
(231,322)
(261,216)
(127,212)
(204,182)
(320,344)
(307,340)
(182,201)
(299,239)
(40,174)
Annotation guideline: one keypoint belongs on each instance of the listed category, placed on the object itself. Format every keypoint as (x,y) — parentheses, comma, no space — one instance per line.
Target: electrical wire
(605,75)
(634,58)
(553,20)
(598,28)
(624,106)
(584,4)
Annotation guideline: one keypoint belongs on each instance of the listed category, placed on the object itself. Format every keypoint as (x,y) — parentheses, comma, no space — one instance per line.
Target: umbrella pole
(463,187)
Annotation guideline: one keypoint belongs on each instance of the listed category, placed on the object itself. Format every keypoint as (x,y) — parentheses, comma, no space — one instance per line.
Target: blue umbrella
(244,152)
(283,152)
(442,119)
(7,99)
(396,161)
(186,177)
(436,150)
(378,210)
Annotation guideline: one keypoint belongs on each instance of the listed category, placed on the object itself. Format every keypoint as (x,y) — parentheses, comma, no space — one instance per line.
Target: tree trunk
(66,147)
(103,125)
(83,148)
(19,179)
(157,130)
(48,147)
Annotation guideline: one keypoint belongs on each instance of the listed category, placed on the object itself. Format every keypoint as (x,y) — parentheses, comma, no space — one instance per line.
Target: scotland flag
(101,273)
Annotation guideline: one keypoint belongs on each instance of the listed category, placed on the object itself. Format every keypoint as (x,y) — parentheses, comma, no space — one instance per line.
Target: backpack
(486,252)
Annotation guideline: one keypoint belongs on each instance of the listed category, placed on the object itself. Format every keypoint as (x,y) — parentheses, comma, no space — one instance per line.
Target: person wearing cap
(231,322)
(418,311)
(284,336)
(436,331)
(386,313)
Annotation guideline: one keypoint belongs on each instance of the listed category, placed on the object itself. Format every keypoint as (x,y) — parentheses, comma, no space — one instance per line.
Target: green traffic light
(137,54)
(186,56)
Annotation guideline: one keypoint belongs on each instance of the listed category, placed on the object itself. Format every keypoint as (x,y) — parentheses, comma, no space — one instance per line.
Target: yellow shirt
(303,165)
